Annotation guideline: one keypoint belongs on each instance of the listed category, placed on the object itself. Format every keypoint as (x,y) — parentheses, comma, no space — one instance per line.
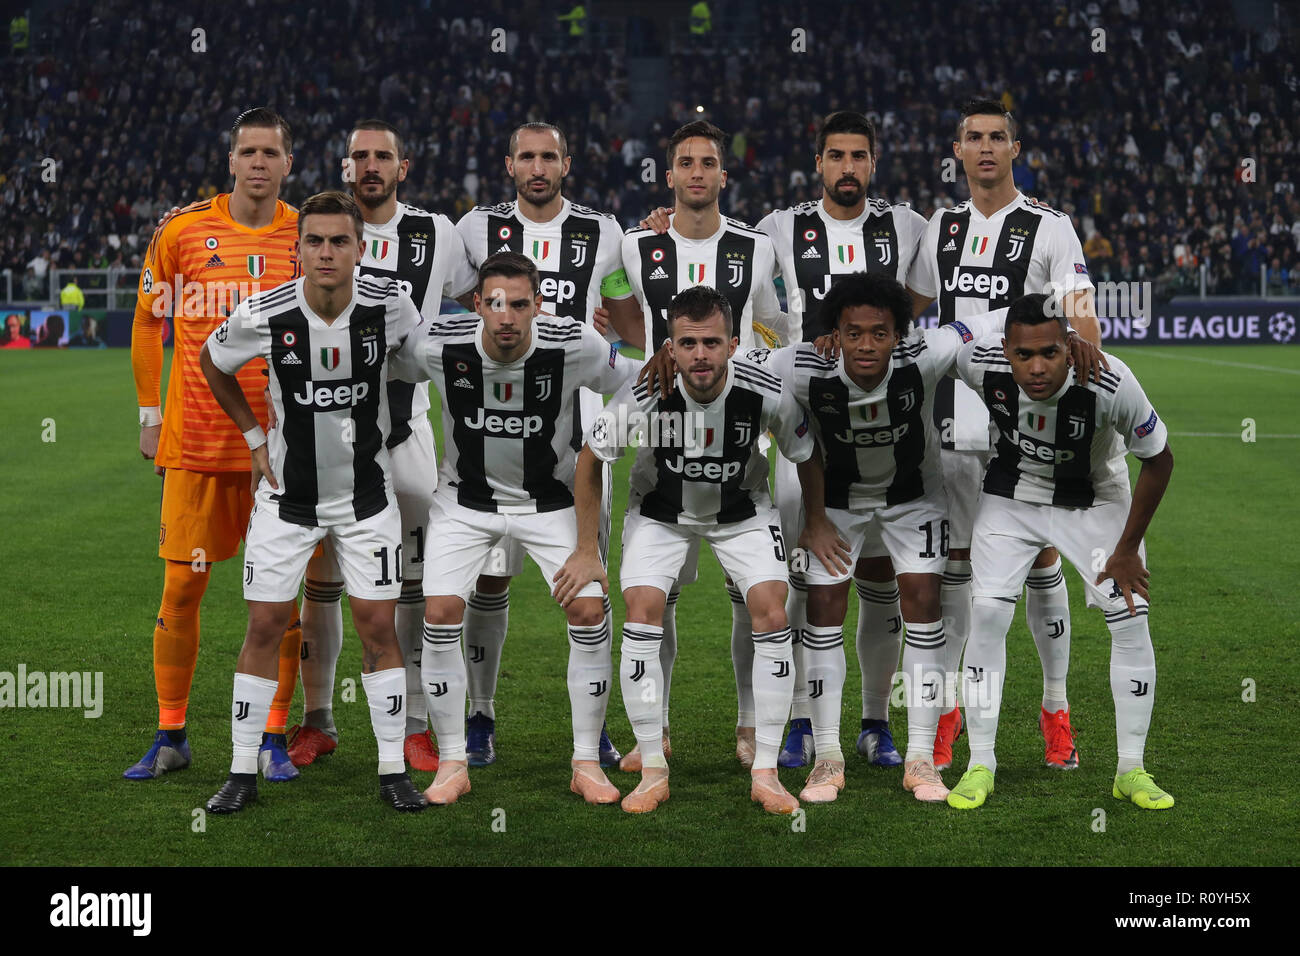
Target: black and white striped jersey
(737,260)
(327,383)
(1068,449)
(578,253)
(507,427)
(812,247)
(880,448)
(425,254)
(701,464)
(973,264)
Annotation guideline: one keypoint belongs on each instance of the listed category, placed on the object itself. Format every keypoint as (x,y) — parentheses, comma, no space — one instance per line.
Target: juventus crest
(418,245)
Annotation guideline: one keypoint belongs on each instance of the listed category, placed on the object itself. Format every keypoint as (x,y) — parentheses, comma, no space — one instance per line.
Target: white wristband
(255,437)
(150,415)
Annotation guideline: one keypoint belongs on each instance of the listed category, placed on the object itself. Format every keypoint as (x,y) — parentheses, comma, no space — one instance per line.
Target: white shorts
(506,560)
(750,551)
(369,552)
(1009,534)
(963,477)
(462,540)
(915,535)
(789,502)
(415,478)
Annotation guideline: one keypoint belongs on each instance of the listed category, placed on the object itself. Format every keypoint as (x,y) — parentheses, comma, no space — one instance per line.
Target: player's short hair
(539,128)
(698,303)
(701,128)
(332,203)
(265,118)
(877,289)
(978,107)
(379,125)
(509,265)
(1033,310)
(846,121)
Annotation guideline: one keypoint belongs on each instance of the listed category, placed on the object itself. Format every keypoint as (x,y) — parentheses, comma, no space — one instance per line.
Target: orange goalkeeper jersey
(196,270)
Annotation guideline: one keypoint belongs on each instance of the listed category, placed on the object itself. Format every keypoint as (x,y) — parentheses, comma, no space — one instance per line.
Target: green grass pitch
(82,583)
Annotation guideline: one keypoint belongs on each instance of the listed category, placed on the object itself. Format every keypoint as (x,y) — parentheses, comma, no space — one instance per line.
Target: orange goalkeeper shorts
(204,514)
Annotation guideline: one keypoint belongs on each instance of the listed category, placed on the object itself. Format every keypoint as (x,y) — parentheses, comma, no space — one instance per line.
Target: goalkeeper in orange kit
(204,260)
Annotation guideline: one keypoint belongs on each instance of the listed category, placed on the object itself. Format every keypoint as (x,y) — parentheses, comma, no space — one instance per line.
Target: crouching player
(326,338)
(700,475)
(1059,479)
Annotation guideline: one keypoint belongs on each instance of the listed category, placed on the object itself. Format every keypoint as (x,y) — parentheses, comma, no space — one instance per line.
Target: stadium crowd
(1169,149)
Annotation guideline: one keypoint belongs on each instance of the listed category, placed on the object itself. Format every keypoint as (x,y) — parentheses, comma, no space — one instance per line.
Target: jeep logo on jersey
(1039,451)
(695,273)
(886,254)
(329,357)
(743,431)
(256,266)
(328,398)
(975,281)
(379,249)
(558,290)
(543,387)
(701,469)
(872,436)
(504,423)
(419,242)
(579,253)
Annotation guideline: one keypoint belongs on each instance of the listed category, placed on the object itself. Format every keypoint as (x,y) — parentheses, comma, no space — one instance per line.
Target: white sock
(385,693)
(252,702)
(823,649)
(322,642)
(797,614)
(641,678)
(984,674)
(742,657)
(880,640)
(773,688)
(1047,608)
(954,599)
(590,669)
(1132,684)
(486,618)
(410,638)
(442,670)
(668,650)
(923,664)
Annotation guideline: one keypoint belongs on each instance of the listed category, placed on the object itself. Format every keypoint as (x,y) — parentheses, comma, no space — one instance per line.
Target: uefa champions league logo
(1281,326)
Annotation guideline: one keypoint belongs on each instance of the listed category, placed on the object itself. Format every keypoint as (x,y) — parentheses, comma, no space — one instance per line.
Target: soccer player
(198,266)
(326,338)
(980,255)
(701,477)
(425,254)
(1059,478)
(578,255)
(703,247)
(816,242)
(508,378)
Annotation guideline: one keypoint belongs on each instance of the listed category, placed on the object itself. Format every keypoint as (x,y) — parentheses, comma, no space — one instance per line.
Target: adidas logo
(951,246)
(505,247)
(463,383)
(659,273)
(812,253)
(214,262)
(290,358)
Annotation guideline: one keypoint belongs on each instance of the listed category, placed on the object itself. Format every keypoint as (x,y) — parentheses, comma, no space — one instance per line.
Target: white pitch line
(1196,358)
(1223,435)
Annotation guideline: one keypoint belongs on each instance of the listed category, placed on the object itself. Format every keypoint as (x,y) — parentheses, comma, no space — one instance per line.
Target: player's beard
(704,201)
(840,198)
(375,201)
(552,190)
(701,392)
